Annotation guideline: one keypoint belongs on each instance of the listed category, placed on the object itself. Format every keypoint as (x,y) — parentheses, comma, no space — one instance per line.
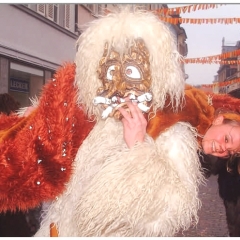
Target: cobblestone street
(212,217)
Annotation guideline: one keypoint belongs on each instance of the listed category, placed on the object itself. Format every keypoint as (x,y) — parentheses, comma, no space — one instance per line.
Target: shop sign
(19,85)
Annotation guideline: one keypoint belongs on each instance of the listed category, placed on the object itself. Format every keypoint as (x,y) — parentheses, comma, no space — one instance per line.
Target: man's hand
(134,124)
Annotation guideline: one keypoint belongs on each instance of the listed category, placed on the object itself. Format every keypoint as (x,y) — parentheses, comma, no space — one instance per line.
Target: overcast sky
(206,39)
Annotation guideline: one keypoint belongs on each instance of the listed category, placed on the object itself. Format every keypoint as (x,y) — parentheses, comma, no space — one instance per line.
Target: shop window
(25,82)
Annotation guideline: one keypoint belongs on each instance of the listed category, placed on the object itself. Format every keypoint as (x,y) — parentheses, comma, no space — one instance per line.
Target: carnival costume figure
(71,149)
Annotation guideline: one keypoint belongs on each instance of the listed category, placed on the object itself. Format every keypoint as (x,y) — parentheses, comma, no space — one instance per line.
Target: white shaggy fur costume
(151,189)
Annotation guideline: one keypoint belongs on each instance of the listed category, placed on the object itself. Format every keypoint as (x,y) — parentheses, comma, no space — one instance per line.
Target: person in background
(8,104)
(18,223)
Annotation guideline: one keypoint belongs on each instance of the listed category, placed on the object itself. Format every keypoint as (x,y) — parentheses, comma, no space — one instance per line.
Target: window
(41,9)
(61,14)
(49,10)
(25,82)
(50,13)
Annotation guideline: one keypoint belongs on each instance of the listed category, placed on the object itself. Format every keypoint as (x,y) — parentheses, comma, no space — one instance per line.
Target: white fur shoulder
(150,190)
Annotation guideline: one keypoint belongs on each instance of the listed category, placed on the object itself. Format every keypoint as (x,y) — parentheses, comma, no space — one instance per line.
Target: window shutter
(50,12)
(67,16)
(41,9)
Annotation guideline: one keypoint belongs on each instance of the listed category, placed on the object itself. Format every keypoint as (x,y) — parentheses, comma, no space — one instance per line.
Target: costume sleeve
(36,152)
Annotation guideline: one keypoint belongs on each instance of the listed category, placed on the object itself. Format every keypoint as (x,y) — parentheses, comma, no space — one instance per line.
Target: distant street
(212,217)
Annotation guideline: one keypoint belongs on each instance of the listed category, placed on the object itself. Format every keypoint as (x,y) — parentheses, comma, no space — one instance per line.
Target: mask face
(124,77)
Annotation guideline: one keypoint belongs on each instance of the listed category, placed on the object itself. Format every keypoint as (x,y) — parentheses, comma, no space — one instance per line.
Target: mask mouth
(111,105)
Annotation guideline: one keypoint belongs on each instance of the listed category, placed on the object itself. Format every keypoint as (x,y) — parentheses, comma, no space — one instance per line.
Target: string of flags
(184,9)
(224,58)
(165,14)
(221,84)
(200,20)
(227,58)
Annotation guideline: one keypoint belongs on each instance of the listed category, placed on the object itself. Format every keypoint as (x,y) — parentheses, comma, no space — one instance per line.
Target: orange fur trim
(226,101)
(198,110)
(195,111)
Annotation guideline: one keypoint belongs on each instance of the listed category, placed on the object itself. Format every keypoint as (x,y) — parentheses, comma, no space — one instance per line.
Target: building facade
(229,71)
(41,37)
(33,44)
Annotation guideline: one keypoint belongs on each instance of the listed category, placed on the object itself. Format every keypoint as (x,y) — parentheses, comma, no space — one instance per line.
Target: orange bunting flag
(205,61)
(219,59)
(184,9)
(200,20)
(221,84)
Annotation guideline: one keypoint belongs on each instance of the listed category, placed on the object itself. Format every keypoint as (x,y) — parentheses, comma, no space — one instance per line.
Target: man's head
(129,52)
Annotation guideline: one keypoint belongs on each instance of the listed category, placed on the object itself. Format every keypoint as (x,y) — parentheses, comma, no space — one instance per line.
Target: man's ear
(218,120)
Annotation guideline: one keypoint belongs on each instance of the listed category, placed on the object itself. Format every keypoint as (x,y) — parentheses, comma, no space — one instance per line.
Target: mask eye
(110,71)
(132,72)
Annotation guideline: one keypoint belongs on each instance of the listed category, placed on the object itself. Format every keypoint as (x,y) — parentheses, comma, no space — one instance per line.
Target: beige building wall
(33,39)
(84,15)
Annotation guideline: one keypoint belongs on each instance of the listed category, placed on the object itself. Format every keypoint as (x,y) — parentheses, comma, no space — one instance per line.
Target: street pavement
(212,217)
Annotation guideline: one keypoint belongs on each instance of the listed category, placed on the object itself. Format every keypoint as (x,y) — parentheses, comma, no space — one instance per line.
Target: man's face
(123,76)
